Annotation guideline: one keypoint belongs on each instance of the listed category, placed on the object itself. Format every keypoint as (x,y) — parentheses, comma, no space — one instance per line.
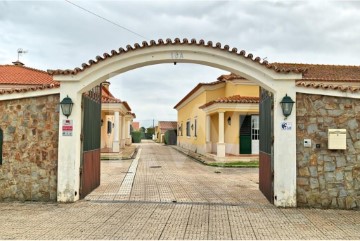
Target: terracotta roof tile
(326,86)
(322,72)
(230,76)
(167,125)
(107,97)
(21,75)
(232,99)
(168,41)
(27,89)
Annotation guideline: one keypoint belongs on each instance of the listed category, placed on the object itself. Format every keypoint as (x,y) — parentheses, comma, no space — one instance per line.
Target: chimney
(106,84)
(18,63)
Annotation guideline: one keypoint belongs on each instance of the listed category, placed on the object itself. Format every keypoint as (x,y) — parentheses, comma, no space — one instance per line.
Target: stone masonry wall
(30,148)
(327,178)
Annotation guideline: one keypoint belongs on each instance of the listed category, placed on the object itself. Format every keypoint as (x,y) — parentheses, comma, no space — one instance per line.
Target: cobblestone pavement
(149,213)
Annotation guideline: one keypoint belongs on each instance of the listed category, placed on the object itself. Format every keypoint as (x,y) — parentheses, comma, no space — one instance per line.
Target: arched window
(1,145)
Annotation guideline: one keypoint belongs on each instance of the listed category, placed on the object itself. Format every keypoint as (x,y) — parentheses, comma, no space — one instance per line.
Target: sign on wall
(286,126)
(67,127)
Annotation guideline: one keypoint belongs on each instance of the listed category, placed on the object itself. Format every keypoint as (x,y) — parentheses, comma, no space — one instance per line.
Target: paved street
(164,195)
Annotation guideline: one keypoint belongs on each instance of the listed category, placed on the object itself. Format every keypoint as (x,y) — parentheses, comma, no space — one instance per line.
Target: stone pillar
(221,144)
(208,133)
(116,145)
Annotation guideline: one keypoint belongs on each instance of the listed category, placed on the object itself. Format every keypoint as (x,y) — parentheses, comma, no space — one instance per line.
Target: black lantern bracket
(66,106)
(286,105)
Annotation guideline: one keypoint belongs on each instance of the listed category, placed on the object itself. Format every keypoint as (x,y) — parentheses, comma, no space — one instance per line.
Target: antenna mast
(20,52)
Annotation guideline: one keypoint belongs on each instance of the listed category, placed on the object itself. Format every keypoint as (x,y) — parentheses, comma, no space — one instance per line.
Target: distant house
(220,117)
(136,125)
(162,127)
(116,118)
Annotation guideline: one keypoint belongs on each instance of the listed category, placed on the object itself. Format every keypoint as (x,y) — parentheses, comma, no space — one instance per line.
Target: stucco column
(221,144)
(116,145)
(68,181)
(123,131)
(127,135)
(284,150)
(207,133)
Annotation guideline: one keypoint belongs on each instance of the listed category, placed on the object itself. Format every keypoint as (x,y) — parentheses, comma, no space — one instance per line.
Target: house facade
(116,119)
(220,117)
(162,127)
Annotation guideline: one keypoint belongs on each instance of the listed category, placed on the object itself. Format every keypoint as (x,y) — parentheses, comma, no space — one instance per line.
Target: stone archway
(278,81)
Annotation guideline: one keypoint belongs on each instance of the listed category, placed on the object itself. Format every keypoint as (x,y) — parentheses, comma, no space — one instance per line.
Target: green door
(245,134)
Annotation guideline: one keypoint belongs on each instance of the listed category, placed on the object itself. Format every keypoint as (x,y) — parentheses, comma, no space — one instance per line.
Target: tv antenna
(20,52)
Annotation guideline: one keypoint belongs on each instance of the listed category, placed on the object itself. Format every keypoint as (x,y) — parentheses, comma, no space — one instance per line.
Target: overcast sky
(59,35)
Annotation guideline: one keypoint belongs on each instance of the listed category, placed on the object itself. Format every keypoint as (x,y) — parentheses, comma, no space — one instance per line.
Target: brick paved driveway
(146,211)
(165,175)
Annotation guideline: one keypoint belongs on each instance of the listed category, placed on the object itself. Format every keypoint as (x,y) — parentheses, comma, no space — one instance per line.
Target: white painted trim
(249,108)
(201,90)
(29,94)
(327,92)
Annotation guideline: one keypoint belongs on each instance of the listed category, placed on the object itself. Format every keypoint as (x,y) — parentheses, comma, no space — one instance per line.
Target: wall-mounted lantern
(66,106)
(192,126)
(287,105)
(229,121)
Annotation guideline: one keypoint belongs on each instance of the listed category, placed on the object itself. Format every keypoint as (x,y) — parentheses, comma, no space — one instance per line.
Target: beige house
(220,118)
(116,119)
(162,127)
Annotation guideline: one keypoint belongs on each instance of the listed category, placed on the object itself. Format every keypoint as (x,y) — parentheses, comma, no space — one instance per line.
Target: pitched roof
(198,86)
(322,72)
(232,99)
(107,97)
(136,125)
(28,89)
(167,125)
(230,76)
(21,75)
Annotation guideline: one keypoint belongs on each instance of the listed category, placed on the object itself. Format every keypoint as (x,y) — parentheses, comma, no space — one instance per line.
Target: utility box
(337,139)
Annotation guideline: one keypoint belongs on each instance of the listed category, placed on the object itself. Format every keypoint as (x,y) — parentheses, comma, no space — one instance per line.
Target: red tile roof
(167,125)
(322,72)
(325,86)
(136,125)
(21,75)
(232,99)
(176,41)
(230,76)
(27,89)
(107,97)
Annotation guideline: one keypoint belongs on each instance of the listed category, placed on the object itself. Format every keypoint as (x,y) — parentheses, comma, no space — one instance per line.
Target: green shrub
(136,136)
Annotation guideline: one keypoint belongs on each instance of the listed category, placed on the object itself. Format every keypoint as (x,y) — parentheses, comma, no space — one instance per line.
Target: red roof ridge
(236,99)
(27,89)
(25,67)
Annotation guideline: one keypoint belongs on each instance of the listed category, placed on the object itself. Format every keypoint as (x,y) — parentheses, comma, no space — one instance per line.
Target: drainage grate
(155,166)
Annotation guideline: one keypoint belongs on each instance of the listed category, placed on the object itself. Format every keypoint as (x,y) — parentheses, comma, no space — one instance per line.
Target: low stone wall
(30,149)
(327,178)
